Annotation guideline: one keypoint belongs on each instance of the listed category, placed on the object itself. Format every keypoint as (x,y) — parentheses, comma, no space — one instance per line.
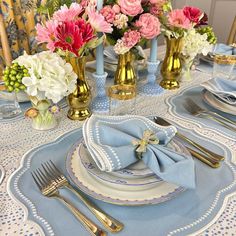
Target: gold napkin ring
(141,145)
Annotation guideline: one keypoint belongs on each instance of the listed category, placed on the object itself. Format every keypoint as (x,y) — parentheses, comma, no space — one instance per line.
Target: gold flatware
(212,162)
(207,152)
(48,189)
(60,181)
(196,110)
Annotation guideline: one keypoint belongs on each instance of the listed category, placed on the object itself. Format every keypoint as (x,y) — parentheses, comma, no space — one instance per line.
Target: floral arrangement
(72,31)
(49,76)
(132,22)
(189,23)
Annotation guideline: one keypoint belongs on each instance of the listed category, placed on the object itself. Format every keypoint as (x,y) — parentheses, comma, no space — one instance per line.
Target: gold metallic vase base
(78,114)
(169,84)
(80,99)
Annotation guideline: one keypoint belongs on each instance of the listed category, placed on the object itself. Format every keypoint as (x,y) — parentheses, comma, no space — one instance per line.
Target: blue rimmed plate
(134,177)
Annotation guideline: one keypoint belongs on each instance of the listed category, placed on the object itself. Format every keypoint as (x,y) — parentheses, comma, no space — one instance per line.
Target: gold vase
(80,99)
(171,66)
(125,72)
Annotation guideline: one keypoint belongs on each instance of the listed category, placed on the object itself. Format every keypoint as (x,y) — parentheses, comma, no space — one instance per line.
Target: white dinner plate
(162,191)
(218,104)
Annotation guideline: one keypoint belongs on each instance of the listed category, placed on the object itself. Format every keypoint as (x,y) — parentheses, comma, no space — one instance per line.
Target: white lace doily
(17,138)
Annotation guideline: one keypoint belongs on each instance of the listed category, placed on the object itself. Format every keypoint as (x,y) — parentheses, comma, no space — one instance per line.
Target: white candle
(99,49)
(153,50)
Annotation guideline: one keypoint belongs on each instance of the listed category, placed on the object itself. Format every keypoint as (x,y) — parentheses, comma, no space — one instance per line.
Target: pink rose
(131,38)
(178,19)
(192,13)
(130,7)
(108,13)
(149,26)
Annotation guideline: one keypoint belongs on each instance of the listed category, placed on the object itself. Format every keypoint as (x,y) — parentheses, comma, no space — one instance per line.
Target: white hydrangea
(51,77)
(195,43)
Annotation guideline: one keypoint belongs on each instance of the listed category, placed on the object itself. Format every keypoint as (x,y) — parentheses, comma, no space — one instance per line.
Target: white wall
(221,14)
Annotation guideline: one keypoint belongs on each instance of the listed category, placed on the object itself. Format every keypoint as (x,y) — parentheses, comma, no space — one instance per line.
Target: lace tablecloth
(18,137)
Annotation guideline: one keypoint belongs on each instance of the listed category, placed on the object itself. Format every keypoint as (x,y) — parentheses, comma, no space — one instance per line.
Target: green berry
(25,70)
(22,87)
(10,88)
(13,72)
(19,76)
(6,83)
(17,90)
(16,85)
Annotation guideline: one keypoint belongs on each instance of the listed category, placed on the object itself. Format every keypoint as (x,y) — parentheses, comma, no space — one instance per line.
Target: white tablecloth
(17,138)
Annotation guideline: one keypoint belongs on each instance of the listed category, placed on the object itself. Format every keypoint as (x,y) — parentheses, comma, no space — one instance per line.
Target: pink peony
(177,18)
(149,25)
(108,13)
(68,14)
(130,7)
(131,38)
(193,14)
(46,34)
(98,21)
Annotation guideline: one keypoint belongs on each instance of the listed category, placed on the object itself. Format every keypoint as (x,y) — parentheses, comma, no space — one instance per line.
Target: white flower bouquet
(50,77)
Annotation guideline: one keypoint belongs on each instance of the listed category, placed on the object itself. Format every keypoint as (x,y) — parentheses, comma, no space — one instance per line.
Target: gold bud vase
(171,67)
(125,72)
(80,99)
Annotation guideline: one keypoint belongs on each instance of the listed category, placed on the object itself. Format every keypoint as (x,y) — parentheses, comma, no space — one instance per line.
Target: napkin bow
(148,138)
(115,142)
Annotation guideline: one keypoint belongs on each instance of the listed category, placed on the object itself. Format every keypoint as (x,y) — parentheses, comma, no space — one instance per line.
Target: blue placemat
(176,104)
(185,214)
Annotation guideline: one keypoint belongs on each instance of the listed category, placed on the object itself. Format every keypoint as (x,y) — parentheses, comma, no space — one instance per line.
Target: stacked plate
(135,185)
(218,103)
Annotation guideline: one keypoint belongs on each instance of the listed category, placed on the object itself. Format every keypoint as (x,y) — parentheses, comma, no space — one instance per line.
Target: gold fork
(60,181)
(48,189)
(196,110)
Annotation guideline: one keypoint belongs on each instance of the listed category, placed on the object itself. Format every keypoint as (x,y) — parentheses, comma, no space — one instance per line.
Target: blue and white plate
(218,103)
(136,174)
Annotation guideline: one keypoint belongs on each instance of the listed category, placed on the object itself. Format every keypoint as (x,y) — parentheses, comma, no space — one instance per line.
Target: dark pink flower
(72,36)
(193,14)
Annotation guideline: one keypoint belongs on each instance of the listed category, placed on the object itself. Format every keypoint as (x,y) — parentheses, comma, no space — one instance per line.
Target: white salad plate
(114,193)
(217,103)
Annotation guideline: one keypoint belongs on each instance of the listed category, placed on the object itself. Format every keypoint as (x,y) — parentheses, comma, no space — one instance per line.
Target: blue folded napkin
(224,49)
(116,142)
(222,88)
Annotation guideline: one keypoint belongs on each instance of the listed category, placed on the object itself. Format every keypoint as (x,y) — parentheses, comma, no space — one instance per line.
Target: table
(16,138)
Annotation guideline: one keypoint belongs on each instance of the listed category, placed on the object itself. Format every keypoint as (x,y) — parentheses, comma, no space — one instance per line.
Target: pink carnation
(131,38)
(46,34)
(149,25)
(116,8)
(98,21)
(108,13)
(177,18)
(130,7)
(68,14)
(193,14)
